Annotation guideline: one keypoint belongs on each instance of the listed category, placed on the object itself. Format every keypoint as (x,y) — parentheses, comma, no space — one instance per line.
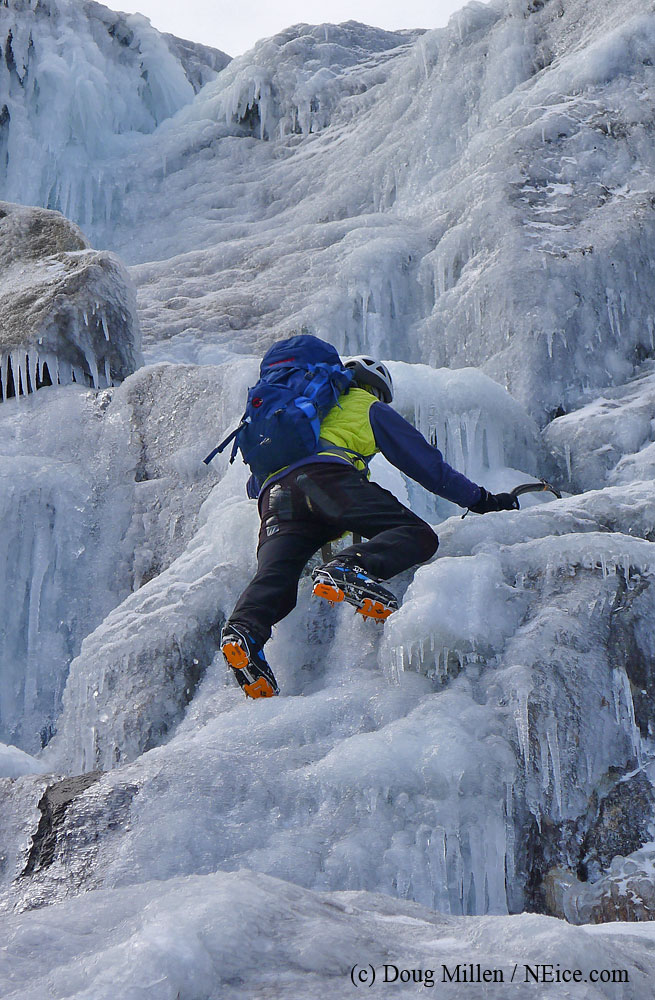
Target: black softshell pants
(311,506)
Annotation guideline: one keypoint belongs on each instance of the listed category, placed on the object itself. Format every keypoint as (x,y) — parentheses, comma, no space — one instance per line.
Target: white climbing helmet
(372,374)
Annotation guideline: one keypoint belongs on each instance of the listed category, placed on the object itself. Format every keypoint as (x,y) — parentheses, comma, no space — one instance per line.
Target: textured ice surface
(183,939)
(68,311)
(479,195)
(502,702)
(481,429)
(609,440)
(66,482)
(15,762)
(77,81)
(476,195)
(158,643)
(293,83)
(110,479)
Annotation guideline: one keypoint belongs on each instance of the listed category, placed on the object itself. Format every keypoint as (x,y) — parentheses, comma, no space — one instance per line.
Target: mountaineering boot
(248,662)
(338,581)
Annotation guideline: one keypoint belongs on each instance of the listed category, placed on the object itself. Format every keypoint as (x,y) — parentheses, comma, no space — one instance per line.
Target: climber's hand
(490,502)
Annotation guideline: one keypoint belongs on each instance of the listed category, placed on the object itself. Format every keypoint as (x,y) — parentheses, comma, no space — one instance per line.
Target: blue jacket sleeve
(407,449)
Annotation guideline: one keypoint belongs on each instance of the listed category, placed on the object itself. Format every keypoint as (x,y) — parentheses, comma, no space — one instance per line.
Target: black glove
(490,502)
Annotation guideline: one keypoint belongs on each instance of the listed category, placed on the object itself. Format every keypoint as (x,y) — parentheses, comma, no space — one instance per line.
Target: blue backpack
(300,380)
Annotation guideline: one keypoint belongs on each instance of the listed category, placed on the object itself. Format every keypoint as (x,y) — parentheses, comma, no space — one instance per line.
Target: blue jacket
(407,449)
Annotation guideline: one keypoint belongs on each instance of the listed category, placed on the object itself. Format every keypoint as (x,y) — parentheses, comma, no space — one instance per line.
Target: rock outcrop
(67,312)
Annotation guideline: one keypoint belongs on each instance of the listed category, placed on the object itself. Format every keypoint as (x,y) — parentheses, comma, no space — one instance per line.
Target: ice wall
(610,439)
(476,195)
(76,82)
(472,196)
(457,775)
(99,494)
(295,82)
(67,479)
(163,637)
(479,666)
(68,320)
(448,759)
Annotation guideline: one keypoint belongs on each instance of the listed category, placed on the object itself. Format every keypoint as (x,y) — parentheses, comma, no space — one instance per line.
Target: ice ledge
(187,934)
(67,311)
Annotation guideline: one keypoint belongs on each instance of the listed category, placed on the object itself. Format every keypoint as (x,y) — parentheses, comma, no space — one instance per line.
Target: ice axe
(541,487)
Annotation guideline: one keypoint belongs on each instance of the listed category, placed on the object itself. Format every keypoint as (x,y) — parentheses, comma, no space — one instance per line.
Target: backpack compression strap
(306,402)
(223,445)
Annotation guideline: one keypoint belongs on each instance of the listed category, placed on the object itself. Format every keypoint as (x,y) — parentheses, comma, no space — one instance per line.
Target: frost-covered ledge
(67,312)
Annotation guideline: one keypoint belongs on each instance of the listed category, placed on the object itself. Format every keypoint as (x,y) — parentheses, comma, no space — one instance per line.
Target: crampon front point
(336,583)
(251,670)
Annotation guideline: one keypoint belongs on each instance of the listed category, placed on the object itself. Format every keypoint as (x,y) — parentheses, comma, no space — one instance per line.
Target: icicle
(567,455)
(103,320)
(612,313)
(510,860)
(32,368)
(18,368)
(92,365)
(617,684)
(522,722)
(109,197)
(553,748)
(622,693)
(39,568)
(544,761)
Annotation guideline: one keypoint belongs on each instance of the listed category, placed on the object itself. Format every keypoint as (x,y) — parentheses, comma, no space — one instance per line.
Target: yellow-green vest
(348,425)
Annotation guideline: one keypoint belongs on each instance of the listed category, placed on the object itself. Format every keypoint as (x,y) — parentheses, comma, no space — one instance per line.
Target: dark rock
(53,805)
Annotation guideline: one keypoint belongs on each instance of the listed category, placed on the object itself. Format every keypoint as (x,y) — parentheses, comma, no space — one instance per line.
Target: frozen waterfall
(473,204)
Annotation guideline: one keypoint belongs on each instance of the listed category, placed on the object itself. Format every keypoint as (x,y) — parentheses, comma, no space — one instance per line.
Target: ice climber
(315,499)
